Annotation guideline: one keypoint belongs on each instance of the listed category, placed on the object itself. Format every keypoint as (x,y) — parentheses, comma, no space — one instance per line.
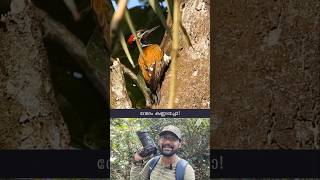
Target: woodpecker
(152,62)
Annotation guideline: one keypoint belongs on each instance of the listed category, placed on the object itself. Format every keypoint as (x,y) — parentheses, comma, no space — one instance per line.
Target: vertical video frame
(159,90)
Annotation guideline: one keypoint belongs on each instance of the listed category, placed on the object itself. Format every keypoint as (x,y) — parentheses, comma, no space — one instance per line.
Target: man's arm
(189,173)
(138,172)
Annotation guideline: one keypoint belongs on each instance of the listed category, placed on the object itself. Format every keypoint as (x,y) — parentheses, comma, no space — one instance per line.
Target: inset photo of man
(143,149)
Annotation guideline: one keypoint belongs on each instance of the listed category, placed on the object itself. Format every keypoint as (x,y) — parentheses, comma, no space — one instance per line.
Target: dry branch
(141,84)
(118,91)
(61,35)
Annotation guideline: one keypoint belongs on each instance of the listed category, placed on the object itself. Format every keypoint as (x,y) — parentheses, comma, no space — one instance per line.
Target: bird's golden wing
(152,55)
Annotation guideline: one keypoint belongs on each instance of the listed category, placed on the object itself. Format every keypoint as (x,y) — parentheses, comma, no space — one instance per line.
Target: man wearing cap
(167,166)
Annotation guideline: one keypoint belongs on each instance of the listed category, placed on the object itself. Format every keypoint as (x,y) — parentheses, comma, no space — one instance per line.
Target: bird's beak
(147,32)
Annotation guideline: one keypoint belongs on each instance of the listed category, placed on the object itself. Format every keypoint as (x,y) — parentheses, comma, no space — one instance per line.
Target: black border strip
(54,163)
(265,164)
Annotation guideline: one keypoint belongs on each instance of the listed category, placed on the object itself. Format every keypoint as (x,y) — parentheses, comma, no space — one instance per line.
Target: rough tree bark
(29,118)
(118,93)
(193,63)
(266,81)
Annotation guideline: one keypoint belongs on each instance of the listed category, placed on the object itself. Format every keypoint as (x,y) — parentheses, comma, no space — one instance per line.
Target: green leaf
(132,29)
(170,7)
(125,48)
(158,11)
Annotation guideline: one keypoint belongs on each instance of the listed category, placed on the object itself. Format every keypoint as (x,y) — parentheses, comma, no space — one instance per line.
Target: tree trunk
(266,78)
(193,63)
(29,117)
(119,98)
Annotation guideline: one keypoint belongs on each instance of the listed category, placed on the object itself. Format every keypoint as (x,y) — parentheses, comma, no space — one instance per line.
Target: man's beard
(168,153)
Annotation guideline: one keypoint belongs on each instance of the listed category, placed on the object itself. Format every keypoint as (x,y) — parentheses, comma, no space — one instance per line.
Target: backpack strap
(180,169)
(152,165)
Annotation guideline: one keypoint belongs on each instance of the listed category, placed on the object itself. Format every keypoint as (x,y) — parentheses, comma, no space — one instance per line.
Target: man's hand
(136,155)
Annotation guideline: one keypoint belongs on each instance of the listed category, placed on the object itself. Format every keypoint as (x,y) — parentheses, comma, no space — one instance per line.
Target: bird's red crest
(131,39)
